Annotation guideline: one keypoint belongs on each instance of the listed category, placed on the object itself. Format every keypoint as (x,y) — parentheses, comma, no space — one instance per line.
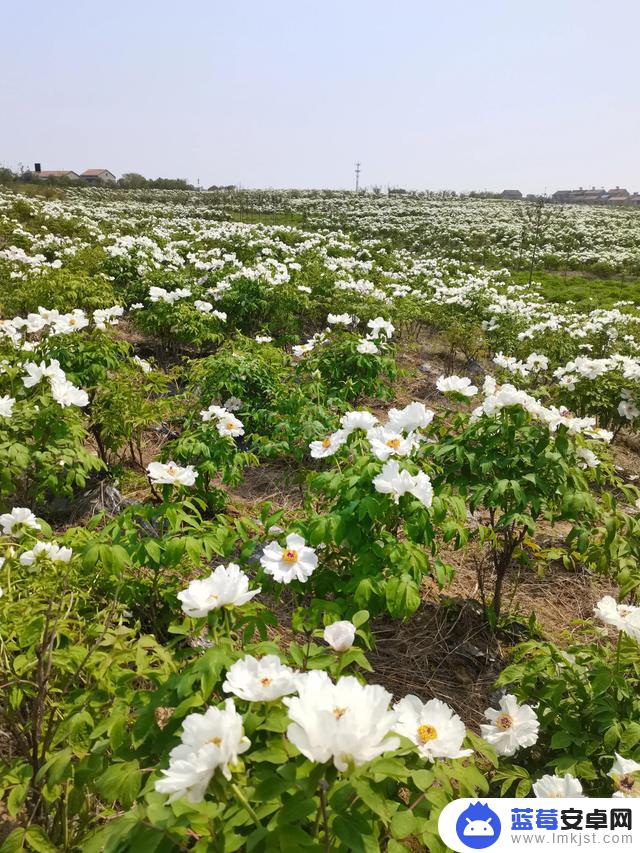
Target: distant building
(592,196)
(562,196)
(94,177)
(617,196)
(581,196)
(57,173)
(514,195)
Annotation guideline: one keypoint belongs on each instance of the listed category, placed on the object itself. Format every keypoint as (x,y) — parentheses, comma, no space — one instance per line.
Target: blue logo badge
(478,826)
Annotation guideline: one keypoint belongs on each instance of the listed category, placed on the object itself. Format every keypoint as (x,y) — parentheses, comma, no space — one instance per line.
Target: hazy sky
(457,94)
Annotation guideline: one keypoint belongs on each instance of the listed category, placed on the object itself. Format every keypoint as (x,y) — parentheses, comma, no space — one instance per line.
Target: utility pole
(357,177)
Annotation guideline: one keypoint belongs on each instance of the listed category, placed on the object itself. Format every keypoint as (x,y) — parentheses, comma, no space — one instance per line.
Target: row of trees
(129,181)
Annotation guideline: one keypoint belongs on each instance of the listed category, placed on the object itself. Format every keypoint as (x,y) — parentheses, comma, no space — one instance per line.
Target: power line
(357,177)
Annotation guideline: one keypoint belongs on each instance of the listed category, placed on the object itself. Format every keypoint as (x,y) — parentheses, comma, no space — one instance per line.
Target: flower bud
(340,635)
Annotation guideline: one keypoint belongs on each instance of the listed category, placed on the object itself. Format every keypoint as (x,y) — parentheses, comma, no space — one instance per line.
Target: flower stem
(323,788)
(245,803)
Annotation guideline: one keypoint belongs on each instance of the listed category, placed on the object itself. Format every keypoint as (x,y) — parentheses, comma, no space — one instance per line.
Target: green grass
(582,289)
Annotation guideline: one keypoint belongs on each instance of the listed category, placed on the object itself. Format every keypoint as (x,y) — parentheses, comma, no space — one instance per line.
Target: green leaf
(402,596)
(350,831)
(16,798)
(296,809)
(120,782)
(272,754)
(372,799)
(403,823)
(360,618)
(39,841)
(560,740)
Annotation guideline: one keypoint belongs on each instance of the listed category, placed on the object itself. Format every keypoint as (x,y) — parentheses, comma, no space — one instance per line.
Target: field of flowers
(307,529)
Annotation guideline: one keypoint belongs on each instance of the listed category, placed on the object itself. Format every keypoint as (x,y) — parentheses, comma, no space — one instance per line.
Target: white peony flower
(230,425)
(260,680)
(412,417)
(366,347)
(295,561)
(50,550)
(301,349)
(329,445)
(142,364)
(489,385)
(226,586)
(35,372)
(380,326)
(511,726)
(6,406)
(72,322)
(624,772)
(628,409)
(339,319)
(49,315)
(263,339)
(392,481)
(347,722)
(66,394)
(357,420)
(213,412)
(19,518)
(600,434)
(168,473)
(233,404)
(588,458)
(209,741)
(624,617)
(456,385)
(385,443)
(433,727)
(340,635)
(558,786)
(422,488)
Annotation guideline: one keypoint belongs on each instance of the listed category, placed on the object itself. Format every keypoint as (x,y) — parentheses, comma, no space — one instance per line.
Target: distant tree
(7,176)
(132,181)
(170,184)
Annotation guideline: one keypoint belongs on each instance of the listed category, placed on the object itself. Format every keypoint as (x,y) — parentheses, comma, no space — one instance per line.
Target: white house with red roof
(97,176)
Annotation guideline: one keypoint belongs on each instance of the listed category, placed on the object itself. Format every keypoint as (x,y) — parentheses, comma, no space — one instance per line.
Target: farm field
(317,511)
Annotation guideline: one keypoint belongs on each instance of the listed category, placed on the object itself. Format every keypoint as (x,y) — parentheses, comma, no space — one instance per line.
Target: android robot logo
(478,826)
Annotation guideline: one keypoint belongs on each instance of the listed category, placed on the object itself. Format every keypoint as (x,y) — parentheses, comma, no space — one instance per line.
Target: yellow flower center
(289,555)
(72,322)
(171,469)
(339,712)
(214,597)
(427,733)
(230,425)
(265,681)
(394,443)
(504,722)
(216,741)
(626,782)
(326,443)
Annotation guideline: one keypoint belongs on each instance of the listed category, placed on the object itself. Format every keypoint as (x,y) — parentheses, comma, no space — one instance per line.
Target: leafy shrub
(60,289)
